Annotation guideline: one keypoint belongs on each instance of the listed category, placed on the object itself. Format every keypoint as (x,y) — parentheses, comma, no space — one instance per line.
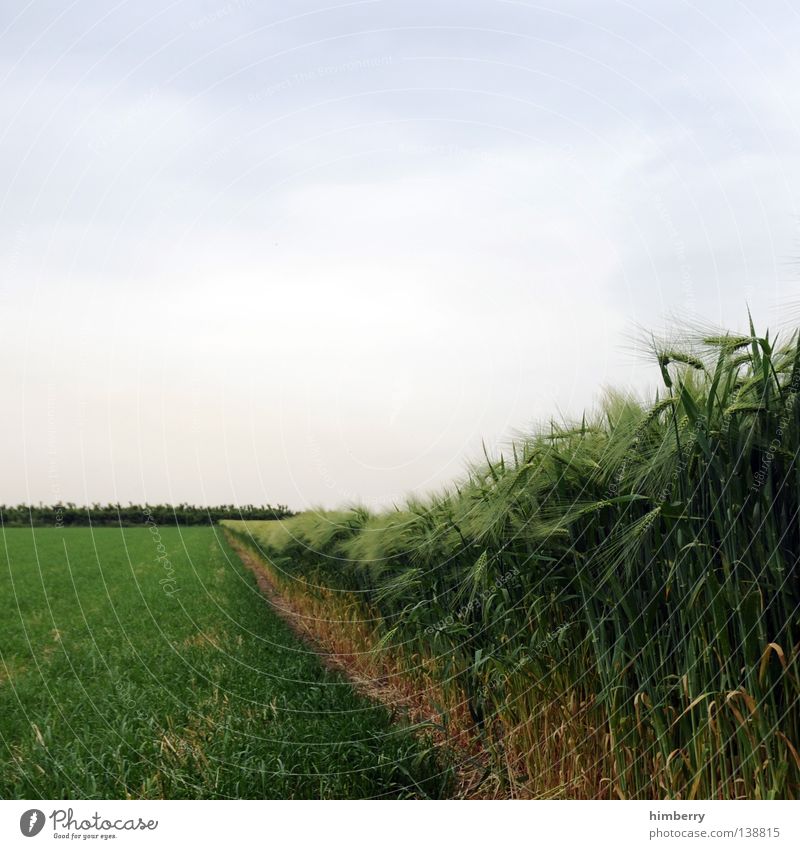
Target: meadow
(610,609)
(144,663)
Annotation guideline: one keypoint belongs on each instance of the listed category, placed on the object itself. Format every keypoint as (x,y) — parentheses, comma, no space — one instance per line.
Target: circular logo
(31,822)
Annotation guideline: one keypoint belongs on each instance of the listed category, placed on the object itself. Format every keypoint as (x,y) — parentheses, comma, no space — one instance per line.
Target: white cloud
(338,288)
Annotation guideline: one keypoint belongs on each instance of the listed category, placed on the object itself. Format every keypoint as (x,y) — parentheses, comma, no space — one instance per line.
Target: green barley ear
(728,344)
(673,356)
(475,578)
(744,407)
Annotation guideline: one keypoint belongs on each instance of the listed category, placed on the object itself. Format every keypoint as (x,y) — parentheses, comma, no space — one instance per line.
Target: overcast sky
(315,253)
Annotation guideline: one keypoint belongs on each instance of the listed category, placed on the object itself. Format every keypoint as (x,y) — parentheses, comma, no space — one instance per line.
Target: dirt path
(470,762)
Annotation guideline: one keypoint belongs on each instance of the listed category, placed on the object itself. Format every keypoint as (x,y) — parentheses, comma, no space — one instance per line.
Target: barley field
(610,609)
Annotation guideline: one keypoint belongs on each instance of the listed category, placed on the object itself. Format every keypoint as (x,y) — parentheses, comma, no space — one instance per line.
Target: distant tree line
(128,515)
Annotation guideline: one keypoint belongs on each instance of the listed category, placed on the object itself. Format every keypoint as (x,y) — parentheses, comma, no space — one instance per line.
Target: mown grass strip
(147,665)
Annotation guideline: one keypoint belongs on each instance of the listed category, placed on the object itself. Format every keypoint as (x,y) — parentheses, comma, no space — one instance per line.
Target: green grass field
(133,671)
